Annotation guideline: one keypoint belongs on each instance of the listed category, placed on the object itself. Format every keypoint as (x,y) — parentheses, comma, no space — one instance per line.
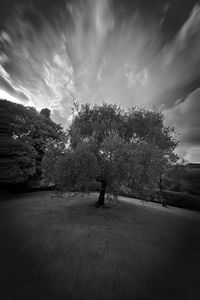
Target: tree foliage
(30,132)
(113,147)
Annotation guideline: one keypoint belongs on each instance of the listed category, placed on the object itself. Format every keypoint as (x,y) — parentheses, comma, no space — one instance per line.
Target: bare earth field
(67,249)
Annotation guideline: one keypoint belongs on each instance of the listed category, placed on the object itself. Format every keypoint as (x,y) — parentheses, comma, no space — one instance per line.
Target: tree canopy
(109,148)
(30,132)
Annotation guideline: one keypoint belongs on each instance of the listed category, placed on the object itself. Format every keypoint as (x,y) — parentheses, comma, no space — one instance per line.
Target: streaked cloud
(85,52)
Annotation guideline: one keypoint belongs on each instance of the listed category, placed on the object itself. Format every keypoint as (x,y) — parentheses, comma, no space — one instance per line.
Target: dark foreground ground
(61,249)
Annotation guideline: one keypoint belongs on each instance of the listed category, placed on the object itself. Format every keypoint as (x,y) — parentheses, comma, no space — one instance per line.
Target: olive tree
(109,148)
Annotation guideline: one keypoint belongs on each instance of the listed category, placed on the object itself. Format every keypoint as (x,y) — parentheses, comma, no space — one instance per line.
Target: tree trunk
(162,200)
(100,201)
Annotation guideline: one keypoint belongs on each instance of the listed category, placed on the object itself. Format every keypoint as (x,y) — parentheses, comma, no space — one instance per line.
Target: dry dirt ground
(67,249)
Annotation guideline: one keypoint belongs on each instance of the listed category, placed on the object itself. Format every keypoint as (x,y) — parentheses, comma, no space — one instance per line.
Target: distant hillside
(192,178)
(194,165)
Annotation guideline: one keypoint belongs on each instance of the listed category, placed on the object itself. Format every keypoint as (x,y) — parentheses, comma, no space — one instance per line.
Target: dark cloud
(171,14)
(31,8)
(180,92)
(185,116)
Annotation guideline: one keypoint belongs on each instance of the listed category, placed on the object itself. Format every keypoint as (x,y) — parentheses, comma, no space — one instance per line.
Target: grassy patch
(67,249)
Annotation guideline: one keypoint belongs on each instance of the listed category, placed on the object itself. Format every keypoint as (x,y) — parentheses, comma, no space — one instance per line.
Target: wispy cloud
(86,53)
(188,32)
(9,87)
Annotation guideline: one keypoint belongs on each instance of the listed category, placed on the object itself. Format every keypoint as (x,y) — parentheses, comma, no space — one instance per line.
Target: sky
(144,53)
